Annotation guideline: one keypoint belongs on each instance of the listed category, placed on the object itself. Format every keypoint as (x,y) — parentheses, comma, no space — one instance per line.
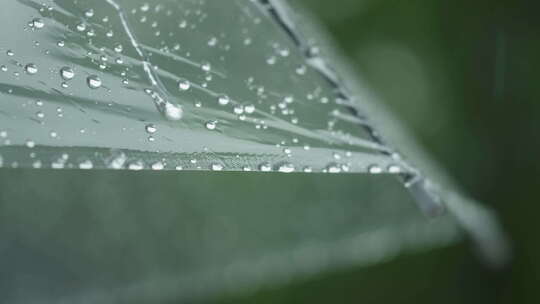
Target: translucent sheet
(173,85)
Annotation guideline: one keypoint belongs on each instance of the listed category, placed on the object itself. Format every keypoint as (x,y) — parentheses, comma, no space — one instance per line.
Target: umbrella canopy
(199,86)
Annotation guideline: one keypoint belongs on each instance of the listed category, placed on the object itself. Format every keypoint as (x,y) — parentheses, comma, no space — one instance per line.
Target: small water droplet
(223,100)
(30,144)
(118,48)
(216,167)
(374,169)
(67,73)
(93,81)
(37,23)
(211,125)
(31,69)
(137,165)
(86,165)
(173,111)
(89,13)
(150,128)
(249,109)
(157,166)
(265,167)
(394,169)
(333,168)
(286,168)
(184,85)
(81,27)
(206,67)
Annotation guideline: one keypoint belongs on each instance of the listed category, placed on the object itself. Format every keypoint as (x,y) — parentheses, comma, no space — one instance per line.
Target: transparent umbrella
(203,86)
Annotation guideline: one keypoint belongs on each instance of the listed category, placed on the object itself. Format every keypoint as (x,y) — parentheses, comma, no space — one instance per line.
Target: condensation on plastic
(195,85)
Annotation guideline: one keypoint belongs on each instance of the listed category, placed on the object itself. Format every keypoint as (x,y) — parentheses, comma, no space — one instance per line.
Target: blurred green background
(463,76)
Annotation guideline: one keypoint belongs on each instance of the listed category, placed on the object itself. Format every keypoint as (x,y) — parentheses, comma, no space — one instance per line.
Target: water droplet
(223,100)
(93,81)
(333,168)
(238,109)
(30,144)
(137,165)
(249,109)
(150,128)
(10,53)
(118,161)
(184,85)
(118,48)
(173,111)
(394,169)
(216,167)
(67,73)
(89,13)
(211,125)
(157,166)
(37,164)
(37,23)
(86,165)
(206,67)
(374,169)
(81,27)
(61,43)
(31,69)
(3,68)
(265,167)
(286,168)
